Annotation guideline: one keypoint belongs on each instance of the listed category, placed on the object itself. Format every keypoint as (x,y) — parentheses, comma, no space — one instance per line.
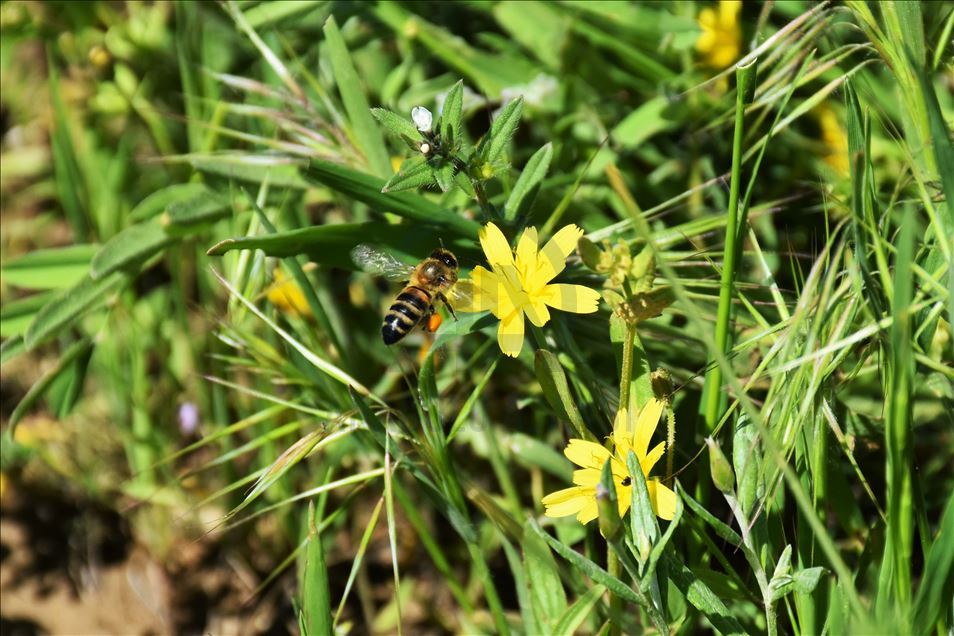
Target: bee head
(445,257)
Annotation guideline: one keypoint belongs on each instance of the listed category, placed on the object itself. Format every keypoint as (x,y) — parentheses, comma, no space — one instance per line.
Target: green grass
(775,236)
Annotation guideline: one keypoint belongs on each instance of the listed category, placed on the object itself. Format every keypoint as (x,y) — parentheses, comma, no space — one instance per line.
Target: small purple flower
(188,418)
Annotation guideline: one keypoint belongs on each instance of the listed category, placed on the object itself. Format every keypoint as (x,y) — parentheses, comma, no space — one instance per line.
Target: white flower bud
(422,118)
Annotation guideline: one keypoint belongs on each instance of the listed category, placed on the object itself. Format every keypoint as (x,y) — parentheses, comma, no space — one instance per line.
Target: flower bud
(720,468)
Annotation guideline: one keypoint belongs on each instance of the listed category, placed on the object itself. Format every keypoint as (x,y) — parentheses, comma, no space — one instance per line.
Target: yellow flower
(835,138)
(580,500)
(287,296)
(517,286)
(718,44)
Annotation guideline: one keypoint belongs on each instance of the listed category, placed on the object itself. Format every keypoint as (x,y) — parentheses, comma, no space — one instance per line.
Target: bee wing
(462,293)
(380,263)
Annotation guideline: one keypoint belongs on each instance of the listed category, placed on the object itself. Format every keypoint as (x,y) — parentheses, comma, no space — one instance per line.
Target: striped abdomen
(408,309)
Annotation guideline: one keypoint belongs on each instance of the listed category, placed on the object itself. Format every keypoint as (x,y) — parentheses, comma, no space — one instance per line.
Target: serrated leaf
(414,173)
(525,189)
(53,268)
(397,125)
(452,113)
(132,246)
(444,175)
(501,131)
(67,306)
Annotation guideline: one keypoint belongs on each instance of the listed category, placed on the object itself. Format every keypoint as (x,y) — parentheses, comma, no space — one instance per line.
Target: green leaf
(539,26)
(68,305)
(11,348)
(396,125)
(53,268)
(414,173)
(587,567)
(366,132)
(132,246)
(556,390)
(268,13)
(937,582)
(332,244)
(15,316)
(525,190)
(452,113)
(501,131)
(158,201)
(702,597)
(367,189)
(645,528)
(74,352)
(203,207)
(278,172)
(444,175)
(316,598)
(66,387)
(547,598)
(574,616)
(642,124)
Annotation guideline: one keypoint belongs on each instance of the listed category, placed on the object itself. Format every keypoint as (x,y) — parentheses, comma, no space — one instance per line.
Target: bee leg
(443,299)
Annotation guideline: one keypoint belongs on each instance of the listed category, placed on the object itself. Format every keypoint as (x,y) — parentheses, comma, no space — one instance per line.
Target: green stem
(626,373)
(614,567)
(713,394)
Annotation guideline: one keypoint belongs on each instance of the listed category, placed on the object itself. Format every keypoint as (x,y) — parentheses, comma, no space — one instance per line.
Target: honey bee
(433,279)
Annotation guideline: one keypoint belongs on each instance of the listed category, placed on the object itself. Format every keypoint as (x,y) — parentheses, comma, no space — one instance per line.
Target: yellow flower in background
(719,44)
(286,295)
(580,500)
(517,286)
(835,138)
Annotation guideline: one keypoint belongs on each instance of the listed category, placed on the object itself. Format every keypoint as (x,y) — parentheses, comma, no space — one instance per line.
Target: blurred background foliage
(160,160)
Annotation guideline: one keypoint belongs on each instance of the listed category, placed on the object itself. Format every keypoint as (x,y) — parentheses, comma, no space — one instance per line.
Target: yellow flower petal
(526,260)
(537,312)
(646,463)
(586,454)
(646,425)
(729,13)
(589,511)
(510,334)
(566,502)
(622,436)
(495,246)
(482,291)
(588,477)
(552,258)
(662,499)
(624,497)
(574,298)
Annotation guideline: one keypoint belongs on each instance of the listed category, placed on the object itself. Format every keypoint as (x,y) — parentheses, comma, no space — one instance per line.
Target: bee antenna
(441,241)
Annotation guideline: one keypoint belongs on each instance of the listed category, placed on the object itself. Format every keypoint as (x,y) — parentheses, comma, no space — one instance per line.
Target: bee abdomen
(406,311)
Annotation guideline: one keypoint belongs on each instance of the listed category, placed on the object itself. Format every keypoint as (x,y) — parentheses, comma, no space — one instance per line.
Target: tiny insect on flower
(423,119)
(581,499)
(518,283)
